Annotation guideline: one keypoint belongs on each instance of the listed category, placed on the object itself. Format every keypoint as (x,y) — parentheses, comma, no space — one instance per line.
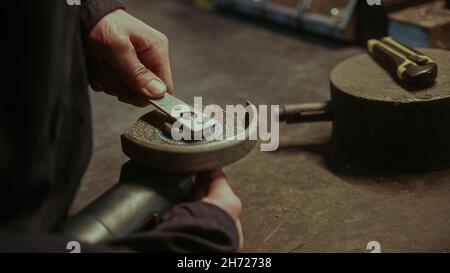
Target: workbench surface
(292,200)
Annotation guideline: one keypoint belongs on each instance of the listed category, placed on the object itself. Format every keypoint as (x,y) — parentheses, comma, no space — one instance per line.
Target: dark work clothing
(45,138)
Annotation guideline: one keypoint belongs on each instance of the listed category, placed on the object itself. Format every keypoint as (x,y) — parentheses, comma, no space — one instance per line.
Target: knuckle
(121,43)
(137,74)
(163,39)
(161,42)
(108,41)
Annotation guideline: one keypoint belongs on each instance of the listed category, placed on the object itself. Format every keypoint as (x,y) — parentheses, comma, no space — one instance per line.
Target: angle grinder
(160,172)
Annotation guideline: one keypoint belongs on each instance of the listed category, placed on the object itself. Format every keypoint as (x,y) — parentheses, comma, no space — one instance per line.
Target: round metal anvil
(378,124)
(149,143)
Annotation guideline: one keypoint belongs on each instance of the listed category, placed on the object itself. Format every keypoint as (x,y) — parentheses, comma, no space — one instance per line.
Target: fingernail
(156,87)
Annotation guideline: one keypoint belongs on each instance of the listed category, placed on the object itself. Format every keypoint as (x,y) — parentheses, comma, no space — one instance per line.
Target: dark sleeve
(189,227)
(94,10)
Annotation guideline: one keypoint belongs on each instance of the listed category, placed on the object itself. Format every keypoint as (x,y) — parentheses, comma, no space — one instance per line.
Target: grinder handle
(141,195)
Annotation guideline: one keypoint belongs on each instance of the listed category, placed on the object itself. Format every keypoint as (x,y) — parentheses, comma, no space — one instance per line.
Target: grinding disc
(379,124)
(149,144)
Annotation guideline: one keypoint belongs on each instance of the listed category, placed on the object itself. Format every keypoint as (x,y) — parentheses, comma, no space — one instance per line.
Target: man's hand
(212,187)
(128,59)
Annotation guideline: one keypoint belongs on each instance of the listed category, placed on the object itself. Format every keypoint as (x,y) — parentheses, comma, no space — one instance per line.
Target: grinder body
(161,172)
